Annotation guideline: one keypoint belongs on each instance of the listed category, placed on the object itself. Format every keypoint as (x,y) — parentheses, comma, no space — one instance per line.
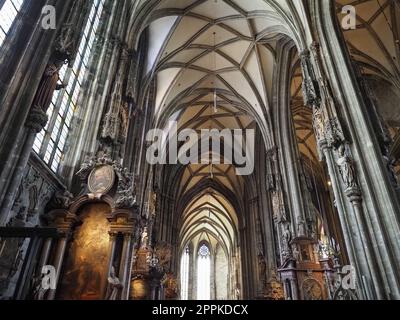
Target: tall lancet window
(50,143)
(204,273)
(8,13)
(185,274)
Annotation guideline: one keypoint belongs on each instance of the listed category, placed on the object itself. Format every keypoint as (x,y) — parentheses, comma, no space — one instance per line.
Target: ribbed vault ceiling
(375,45)
(222,45)
(210,218)
(211,53)
(375,41)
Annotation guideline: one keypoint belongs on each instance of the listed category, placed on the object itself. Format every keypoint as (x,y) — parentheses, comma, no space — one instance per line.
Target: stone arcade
(318,219)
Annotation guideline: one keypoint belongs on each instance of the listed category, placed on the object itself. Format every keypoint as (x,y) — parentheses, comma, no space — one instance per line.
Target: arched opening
(208,236)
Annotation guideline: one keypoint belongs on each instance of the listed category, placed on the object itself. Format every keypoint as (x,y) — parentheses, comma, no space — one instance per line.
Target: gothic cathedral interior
(199,150)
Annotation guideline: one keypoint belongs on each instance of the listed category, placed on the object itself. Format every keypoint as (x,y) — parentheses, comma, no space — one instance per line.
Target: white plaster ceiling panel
(254,69)
(214,9)
(159,31)
(236,50)
(188,26)
(240,25)
(236,80)
(221,35)
(268,66)
(179,4)
(186,55)
(253,5)
(185,80)
(164,80)
(261,24)
(213,62)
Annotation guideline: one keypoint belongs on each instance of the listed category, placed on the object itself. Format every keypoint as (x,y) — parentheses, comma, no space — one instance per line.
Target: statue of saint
(301,227)
(319,125)
(115,285)
(296,254)
(48,84)
(145,239)
(287,239)
(346,168)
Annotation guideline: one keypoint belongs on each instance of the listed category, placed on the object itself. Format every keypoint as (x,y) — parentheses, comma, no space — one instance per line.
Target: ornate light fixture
(215,74)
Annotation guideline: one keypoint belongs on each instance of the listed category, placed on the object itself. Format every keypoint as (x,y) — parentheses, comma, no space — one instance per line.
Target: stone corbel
(37,119)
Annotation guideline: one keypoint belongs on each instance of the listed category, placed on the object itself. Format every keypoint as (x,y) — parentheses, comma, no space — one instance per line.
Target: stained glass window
(8,13)
(185,274)
(204,273)
(51,142)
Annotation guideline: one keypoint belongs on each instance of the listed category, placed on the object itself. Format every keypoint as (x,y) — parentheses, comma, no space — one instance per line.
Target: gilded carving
(312,290)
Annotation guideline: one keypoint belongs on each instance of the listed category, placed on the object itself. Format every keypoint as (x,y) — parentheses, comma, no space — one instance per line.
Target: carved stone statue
(319,123)
(115,285)
(301,227)
(124,115)
(296,254)
(346,168)
(286,241)
(144,242)
(262,269)
(48,84)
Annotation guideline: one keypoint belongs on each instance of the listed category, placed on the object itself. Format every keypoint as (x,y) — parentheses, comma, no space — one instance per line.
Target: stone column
(111,254)
(58,262)
(36,122)
(346,190)
(351,243)
(294,287)
(372,207)
(125,266)
(45,254)
(113,237)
